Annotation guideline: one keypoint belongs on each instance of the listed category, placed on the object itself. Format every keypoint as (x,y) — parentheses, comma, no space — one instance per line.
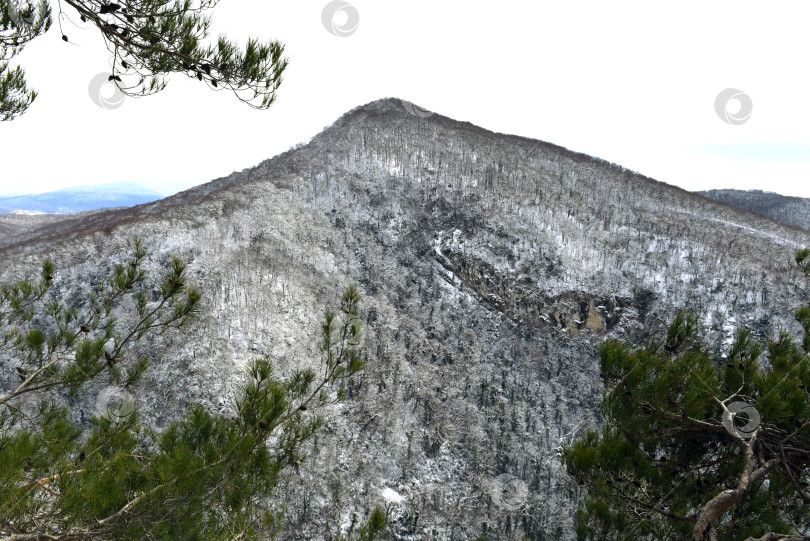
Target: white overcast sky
(631,82)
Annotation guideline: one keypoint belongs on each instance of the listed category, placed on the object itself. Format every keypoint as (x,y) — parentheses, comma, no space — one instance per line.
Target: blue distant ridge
(81,198)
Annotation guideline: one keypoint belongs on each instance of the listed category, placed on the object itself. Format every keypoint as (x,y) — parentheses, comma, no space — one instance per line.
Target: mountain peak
(392,139)
(492,266)
(391,105)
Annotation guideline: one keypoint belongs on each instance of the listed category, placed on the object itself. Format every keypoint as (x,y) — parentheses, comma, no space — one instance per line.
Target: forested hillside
(492,266)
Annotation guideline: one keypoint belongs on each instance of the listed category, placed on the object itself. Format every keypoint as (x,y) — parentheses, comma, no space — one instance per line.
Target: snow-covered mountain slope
(492,267)
(790,210)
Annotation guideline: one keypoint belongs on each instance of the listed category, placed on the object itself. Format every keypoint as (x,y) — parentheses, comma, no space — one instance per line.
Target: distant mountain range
(80,198)
(789,210)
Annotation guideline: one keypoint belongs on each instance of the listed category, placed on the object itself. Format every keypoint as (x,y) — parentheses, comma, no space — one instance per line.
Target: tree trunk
(726,499)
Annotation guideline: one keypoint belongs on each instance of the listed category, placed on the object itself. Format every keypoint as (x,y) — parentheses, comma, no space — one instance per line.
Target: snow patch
(391,495)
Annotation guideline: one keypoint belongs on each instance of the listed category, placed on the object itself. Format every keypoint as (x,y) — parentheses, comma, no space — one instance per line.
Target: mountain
(790,210)
(80,198)
(13,225)
(492,266)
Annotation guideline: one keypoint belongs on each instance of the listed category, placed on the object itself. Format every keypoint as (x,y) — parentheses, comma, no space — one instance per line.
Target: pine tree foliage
(15,96)
(148,40)
(206,476)
(370,530)
(56,345)
(19,24)
(696,447)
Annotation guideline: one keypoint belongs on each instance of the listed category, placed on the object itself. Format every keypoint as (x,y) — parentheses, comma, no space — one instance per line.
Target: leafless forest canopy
(492,267)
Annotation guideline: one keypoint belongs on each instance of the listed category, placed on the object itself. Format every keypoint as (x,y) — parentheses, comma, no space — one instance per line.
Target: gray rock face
(492,267)
(790,210)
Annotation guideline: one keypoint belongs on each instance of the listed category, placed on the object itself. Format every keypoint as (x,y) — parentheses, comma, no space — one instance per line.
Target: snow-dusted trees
(206,475)
(700,447)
